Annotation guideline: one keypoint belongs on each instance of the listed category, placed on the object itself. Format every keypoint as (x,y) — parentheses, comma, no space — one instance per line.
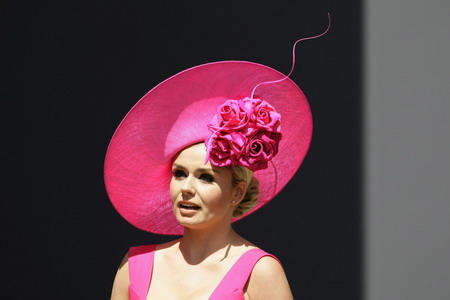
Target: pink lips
(188,206)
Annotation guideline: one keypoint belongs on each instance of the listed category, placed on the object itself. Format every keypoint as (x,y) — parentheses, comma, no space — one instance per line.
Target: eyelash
(178,173)
(207,178)
(203,177)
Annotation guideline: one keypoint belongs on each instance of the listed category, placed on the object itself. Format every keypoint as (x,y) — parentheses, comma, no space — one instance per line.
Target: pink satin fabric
(140,264)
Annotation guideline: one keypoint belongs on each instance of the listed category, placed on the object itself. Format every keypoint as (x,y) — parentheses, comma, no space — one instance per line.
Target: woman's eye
(179,174)
(206,177)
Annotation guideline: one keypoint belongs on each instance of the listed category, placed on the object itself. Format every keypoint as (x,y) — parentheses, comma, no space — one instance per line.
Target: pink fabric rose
(227,148)
(244,132)
(260,149)
(230,115)
(264,115)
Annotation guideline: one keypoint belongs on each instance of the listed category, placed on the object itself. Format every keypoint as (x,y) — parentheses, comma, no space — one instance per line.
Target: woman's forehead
(193,154)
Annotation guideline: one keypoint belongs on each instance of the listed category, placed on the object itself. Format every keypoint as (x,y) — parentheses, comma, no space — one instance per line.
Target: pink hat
(182,111)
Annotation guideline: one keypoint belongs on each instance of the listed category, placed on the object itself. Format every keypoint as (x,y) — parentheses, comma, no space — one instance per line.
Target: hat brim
(174,115)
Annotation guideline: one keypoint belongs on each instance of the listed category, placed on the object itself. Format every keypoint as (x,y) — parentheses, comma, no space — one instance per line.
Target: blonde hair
(250,199)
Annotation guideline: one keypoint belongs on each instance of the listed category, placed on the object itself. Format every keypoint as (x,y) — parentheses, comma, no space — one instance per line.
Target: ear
(239,193)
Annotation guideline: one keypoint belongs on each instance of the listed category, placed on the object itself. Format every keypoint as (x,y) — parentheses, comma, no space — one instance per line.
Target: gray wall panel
(407,147)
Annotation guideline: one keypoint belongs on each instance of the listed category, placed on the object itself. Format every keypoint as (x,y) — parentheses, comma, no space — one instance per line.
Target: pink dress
(140,265)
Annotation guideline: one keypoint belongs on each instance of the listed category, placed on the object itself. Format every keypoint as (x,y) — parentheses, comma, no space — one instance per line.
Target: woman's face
(201,194)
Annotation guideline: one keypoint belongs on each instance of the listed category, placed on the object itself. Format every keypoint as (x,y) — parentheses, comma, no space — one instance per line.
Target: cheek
(212,197)
(215,198)
(173,190)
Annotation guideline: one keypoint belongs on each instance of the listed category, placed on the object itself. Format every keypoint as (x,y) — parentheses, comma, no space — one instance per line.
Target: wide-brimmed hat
(176,114)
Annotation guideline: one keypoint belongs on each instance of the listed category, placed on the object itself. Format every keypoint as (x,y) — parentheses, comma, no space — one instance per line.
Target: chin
(197,224)
(190,221)
(192,224)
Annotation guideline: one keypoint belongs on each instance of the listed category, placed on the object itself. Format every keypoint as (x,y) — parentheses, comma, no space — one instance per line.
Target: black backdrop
(71,70)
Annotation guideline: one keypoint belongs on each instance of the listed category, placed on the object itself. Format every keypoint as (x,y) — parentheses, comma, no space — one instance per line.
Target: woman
(204,199)
(182,162)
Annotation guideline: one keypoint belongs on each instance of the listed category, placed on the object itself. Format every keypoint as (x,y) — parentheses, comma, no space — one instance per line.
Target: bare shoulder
(121,281)
(268,281)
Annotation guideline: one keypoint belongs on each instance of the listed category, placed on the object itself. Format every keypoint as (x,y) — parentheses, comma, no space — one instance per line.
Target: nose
(187,188)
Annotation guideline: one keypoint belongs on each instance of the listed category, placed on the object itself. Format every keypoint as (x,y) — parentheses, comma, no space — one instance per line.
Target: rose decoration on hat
(244,132)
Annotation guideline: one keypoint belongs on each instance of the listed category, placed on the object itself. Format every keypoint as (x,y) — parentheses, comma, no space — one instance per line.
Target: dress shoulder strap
(140,267)
(237,277)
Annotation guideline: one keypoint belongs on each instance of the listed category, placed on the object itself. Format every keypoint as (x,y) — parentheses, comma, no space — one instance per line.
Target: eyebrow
(199,169)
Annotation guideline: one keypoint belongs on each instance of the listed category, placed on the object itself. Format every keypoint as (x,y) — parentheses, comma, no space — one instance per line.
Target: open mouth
(189,206)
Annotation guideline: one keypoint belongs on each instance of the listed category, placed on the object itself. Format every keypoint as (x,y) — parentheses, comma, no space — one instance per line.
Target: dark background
(71,70)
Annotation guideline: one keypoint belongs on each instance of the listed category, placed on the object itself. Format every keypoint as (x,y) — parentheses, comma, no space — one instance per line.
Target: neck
(198,244)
